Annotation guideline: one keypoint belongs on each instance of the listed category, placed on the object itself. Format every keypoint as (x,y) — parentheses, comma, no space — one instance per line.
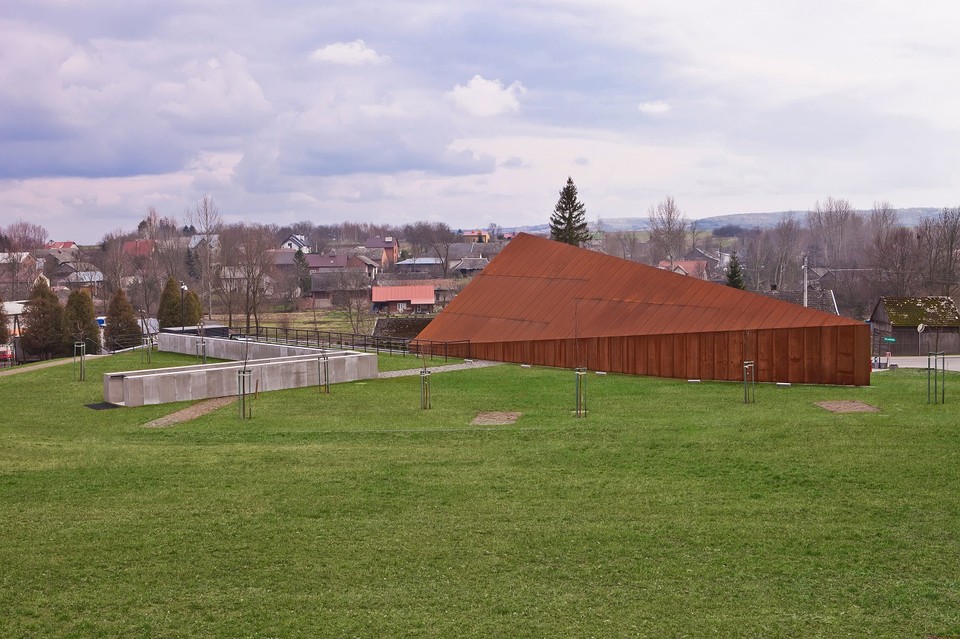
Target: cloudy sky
(470,112)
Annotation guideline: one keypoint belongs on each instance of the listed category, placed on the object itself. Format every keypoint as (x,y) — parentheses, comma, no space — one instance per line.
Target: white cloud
(657,107)
(486,98)
(354,53)
(218,96)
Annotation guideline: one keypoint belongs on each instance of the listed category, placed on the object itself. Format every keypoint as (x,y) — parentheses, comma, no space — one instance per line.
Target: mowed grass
(673,509)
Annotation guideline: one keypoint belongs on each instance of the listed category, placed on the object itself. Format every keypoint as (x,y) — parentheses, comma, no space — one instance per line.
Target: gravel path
(191,412)
(478,363)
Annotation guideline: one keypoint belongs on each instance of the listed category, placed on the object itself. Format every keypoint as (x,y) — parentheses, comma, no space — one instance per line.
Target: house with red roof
(404,299)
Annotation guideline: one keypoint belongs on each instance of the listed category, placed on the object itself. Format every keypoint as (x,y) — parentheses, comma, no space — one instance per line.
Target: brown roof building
(547,303)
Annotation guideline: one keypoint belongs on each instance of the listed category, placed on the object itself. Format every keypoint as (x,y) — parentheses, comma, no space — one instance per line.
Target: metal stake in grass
(749,383)
(243,391)
(146,350)
(425,402)
(580,390)
(79,360)
(937,374)
(202,344)
(323,373)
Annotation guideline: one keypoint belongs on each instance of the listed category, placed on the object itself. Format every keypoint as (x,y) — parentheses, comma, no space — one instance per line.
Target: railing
(369,343)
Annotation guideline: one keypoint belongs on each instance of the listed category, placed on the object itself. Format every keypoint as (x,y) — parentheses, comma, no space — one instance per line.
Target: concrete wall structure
(280,367)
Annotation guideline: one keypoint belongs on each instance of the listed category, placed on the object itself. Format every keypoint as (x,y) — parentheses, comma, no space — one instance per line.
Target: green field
(672,510)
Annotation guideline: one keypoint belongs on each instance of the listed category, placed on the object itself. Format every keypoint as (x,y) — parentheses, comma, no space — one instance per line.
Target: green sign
(889,339)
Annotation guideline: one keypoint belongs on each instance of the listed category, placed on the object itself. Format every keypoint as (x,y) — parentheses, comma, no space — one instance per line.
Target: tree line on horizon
(872,253)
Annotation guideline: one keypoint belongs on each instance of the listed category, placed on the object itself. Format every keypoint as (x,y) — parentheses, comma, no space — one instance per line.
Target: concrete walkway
(409,372)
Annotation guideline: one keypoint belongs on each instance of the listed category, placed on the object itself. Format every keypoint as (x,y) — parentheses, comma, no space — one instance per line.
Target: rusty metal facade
(546,303)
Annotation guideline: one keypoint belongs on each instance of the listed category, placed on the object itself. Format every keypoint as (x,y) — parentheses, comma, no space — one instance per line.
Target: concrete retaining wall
(282,367)
(232,349)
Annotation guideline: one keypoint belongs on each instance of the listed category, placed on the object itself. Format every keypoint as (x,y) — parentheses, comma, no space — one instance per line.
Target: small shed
(403,299)
(896,322)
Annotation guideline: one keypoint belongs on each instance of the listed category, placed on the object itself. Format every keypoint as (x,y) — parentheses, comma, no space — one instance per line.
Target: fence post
(243,390)
(580,390)
(425,390)
(749,383)
(79,355)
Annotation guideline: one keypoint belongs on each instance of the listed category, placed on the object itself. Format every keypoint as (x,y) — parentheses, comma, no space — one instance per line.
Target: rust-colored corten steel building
(546,303)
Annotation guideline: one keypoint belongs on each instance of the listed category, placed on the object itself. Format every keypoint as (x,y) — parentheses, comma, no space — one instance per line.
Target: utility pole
(804,269)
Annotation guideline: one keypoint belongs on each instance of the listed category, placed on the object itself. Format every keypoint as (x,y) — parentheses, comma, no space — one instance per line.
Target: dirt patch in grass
(191,412)
(848,407)
(495,418)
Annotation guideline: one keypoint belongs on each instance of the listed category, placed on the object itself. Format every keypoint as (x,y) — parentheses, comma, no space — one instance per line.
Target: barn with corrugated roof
(547,303)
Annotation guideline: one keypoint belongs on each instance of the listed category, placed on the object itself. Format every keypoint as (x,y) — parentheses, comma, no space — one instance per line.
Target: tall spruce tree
(43,322)
(168,311)
(193,308)
(735,273)
(122,330)
(4,328)
(304,281)
(568,223)
(80,322)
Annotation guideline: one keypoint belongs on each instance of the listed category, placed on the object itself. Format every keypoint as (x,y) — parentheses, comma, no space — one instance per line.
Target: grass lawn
(672,510)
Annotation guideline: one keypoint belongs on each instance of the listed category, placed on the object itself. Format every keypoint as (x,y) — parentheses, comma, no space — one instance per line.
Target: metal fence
(369,343)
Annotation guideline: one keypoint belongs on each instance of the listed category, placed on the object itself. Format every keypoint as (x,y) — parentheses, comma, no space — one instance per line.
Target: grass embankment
(672,510)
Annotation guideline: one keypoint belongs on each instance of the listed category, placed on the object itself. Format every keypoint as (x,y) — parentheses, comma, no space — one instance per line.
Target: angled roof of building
(693,268)
(138,248)
(539,289)
(381,242)
(315,260)
(913,311)
(412,294)
(61,246)
(822,300)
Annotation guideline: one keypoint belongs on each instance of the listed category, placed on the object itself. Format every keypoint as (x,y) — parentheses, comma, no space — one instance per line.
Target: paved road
(952,362)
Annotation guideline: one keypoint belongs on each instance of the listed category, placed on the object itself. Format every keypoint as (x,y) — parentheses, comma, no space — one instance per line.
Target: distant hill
(908,217)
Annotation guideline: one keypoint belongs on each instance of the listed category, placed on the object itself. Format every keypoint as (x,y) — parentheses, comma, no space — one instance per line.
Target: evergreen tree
(43,322)
(80,322)
(194,308)
(4,328)
(122,330)
(168,311)
(303,272)
(194,267)
(568,223)
(735,273)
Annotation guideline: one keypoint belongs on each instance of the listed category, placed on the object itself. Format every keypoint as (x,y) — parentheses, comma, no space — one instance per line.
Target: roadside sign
(889,339)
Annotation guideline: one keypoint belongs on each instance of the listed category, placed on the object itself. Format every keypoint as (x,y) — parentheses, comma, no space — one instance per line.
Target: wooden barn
(546,303)
(895,321)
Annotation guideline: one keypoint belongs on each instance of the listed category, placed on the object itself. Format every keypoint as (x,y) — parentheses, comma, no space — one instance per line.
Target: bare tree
(891,253)
(352,297)
(170,245)
(208,220)
(418,236)
(938,242)
(668,230)
(757,259)
(226,272)
(832,225)
(114,263)
(441,238)
(22,237)
(256,267)
(786,241)
(625,244)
